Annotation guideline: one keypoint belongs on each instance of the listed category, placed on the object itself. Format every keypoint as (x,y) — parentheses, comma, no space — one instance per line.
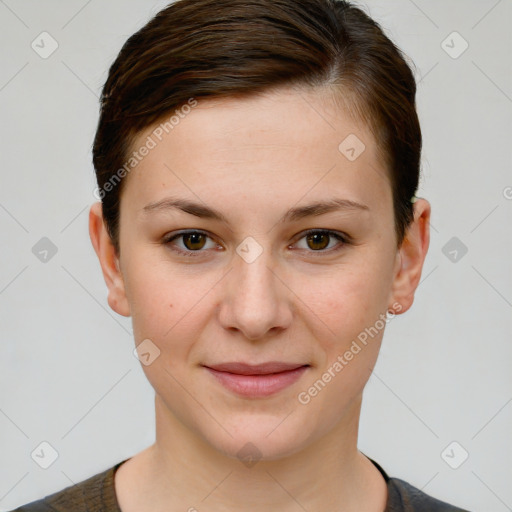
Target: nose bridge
(255,278)
(256,300)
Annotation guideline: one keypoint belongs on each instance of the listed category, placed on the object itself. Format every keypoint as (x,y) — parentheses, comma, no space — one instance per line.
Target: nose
(255,299)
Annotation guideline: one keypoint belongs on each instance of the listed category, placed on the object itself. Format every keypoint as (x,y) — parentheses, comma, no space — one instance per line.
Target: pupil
(315,239)
(195,238)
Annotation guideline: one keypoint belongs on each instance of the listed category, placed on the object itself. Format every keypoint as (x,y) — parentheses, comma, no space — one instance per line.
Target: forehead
(281,145)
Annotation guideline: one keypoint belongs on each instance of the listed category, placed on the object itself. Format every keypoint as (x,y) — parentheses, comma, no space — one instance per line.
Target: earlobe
(109,261)
(410,259)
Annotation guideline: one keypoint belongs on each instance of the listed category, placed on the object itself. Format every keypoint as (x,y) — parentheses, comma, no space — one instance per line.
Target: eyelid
(342,237)
(167,239)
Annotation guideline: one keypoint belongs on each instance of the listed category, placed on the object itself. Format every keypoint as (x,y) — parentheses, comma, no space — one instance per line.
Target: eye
(318,240)
(192,242)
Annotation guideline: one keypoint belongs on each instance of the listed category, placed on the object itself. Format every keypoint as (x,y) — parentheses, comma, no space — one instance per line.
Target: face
(249,235)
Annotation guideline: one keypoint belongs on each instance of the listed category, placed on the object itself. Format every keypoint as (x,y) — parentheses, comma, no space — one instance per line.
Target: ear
(410,258)
(109,261)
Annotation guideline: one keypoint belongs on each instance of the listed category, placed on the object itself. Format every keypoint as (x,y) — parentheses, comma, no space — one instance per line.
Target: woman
(257,164)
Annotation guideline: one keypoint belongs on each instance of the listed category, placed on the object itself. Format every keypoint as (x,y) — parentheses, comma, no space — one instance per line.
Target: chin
(259,439)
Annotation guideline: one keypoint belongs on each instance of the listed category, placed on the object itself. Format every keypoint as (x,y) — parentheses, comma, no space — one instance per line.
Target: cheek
(155,303)
(348,298)
(353,309)
(168,307)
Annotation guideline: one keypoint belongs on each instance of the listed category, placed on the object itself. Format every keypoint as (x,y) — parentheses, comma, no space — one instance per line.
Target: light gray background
(67,372)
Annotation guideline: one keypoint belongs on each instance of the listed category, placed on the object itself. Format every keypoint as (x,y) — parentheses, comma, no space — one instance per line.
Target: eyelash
(344,239)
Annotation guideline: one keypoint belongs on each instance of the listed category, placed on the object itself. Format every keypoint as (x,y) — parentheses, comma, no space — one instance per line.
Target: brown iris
(316,240)
(196,241)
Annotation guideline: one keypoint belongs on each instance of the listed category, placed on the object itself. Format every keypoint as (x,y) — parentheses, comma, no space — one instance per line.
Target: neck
(182,469)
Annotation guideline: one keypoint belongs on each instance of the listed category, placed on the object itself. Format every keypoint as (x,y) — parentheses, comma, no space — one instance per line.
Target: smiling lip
(257,380)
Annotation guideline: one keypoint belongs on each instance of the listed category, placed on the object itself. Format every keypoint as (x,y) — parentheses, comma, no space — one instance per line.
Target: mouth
(257,381)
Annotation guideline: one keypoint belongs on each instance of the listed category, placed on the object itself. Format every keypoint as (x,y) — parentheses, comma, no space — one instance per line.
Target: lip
(254,381)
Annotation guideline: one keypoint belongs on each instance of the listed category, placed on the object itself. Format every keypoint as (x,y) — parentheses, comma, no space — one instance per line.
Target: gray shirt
(97,494)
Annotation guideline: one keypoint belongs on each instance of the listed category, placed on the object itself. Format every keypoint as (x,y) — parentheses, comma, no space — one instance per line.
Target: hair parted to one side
(220,48)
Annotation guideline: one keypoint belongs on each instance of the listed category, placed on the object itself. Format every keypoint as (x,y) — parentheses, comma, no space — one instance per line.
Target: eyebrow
(292,215)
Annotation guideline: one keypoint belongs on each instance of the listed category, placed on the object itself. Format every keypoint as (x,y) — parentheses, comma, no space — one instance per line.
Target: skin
(300,301)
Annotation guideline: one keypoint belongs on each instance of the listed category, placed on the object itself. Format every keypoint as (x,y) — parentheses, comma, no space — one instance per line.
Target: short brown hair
(221,48)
